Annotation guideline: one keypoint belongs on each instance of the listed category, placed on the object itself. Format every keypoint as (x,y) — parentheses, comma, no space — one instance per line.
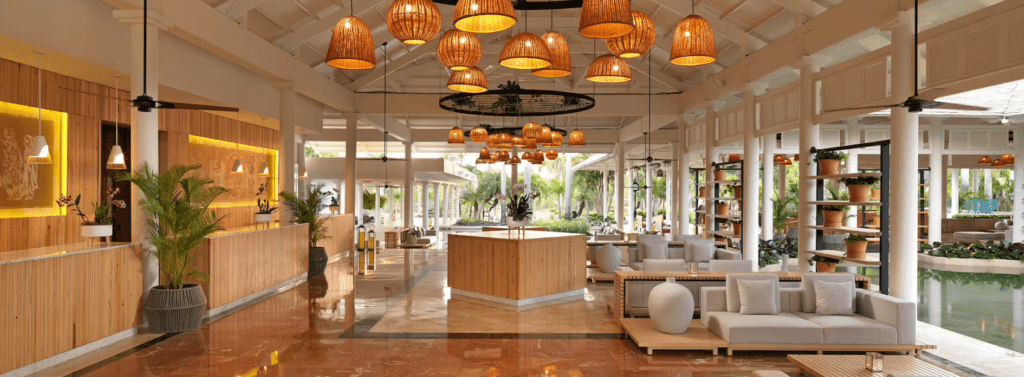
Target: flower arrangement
(103,211)
(829,155)
(519,204)
(264,204)
(335,199)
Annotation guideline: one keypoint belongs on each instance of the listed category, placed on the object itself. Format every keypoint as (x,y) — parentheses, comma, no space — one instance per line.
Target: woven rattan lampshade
(471,80)
(796,158)
(514,161)
(788,162)
(997,163)
(693,43)
(637,42)
(576,139)
(532,130)
(455,136)
(518,141)
(492,141)
(530,144)
(603,19)
(478,134)
(545,135)
(556,140)
(414,22)
(984,160)
(484,16)
(609,68)
(503,156)
(561,59)
(494,158)
(485,154)
(481,161)
(525,51)
(552,154)
(459,50)
(351,45)
(503,141)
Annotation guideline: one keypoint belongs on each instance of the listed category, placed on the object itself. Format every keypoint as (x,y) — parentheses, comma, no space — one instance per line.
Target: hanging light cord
(40,93)
(117,108)
(145,44)
(385,158)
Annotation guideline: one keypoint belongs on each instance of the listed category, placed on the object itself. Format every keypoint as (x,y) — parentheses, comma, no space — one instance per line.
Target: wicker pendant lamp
(494,158)
(471,80)
(481,161)
(456,137)
(532,130)
(556,140)
(576,139)
(514,160)
(484,16)
(503,156)
(492,141)
(485,154)
(603,19)
(693,43)
(609,68)
(545,135)
(997,163)
(504,141)
(637,42)
(478,134)
(531,144)
(518,141)
(458,50)
(984,160)
(351,45)
(552,154)
(414,22)
(561,59)
(525,51)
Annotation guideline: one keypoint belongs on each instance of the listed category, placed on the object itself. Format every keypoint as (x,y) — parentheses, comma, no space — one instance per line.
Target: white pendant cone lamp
(40,152)
(237,168)
(116,159)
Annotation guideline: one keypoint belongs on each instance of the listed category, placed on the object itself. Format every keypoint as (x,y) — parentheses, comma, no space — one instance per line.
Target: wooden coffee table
(696,337)
(853,366)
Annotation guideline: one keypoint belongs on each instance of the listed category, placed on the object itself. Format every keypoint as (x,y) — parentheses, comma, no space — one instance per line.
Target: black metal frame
(883,211)
(519,96)
(512,131)
(718,167)
(532,5)
(696,196)
(921,233)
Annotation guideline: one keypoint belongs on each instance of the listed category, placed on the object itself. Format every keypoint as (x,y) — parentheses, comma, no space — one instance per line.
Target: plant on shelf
(828,161)
(737,226)
(722,207)
(100,224)
(824,264)
(856,246)
(834,215)
(859,188)
(180,220)
(264,212)
(307,211)
(519,207)
(335,205)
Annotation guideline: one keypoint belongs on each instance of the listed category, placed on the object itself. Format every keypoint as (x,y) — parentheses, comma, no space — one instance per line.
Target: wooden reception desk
(516,270)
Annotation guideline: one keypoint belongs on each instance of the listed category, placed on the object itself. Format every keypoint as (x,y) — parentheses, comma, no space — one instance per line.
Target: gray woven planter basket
(175,310)
(317,260)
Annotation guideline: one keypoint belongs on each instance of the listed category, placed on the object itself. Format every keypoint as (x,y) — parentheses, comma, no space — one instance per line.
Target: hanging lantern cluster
(456,137)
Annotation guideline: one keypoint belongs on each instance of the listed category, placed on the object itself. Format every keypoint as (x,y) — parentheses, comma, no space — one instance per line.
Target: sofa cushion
(653,249)
(733,289)
(676,252)
(732,266)
(686,237)
(664,265)
(783,328)
(756,297)
(833,298)
(639,266)
(700,250)
(807,286)
(855,329)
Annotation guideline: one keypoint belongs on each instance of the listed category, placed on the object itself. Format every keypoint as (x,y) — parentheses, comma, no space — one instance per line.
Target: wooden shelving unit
(851,175)
(845,203)
(736,166)
(846,230)
(835,254)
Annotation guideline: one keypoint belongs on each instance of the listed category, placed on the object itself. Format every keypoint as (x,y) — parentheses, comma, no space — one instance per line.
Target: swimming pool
(984,306)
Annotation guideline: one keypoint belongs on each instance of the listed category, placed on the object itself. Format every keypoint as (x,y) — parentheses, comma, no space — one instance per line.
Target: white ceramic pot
(334,209)
(1001,225)
(264,217)
(90,231)
(671,307)
(608,257)
(517,224)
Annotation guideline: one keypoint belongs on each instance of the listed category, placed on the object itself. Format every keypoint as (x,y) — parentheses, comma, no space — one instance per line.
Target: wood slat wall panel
(65,302)
(517,269)
(341,231)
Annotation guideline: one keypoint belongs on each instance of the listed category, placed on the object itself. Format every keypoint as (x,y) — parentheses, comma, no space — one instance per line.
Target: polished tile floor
(400,321)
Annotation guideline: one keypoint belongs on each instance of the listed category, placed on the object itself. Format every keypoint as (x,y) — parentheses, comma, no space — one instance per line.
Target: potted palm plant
(824,264)
(829,161)
(103,213)
(856,246)
(181,219)
(859,188)
(307,211)
(265,213)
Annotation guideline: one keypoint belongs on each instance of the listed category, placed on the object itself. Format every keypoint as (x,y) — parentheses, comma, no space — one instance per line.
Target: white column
(407,186)
(750,154)
(378,220)
(528,177)
(437,209)
(1018,316)
(809,137)
(620,195)
(935,186)
(965,177)
(670,193)
(767,186)
(604,193)
(300,165)
(568,185)
(630,201)
(146,126)
(954,192)
(351,120)
(425,197)
(1018,189)
(685,193)
(903,168)
(935,302)
(710,118)
(975,179)
(988,183)
(649,199)
(501,208)
(852,163)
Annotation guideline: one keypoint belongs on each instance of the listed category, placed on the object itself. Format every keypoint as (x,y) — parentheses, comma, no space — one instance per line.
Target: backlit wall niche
(29,190)
(216,158)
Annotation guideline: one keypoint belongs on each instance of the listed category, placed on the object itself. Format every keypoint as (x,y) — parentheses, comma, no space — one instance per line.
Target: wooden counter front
(517,270)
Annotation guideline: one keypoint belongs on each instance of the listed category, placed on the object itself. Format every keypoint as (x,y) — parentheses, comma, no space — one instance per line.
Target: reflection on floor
(399,321)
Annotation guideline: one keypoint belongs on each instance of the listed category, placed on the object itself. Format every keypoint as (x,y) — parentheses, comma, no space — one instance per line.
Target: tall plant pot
(834,219)
(703,191)
(829,167)
(825,267)
(860,193)
(876,194)
(737,192)
(857,249)
(317,261)
(175,310)
(720,175)
(737,229)
(723,209)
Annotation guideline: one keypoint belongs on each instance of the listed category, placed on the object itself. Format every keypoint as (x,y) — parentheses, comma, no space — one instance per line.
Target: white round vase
(264,217)
(1001,225)
(608,257)
(91,231)
(517,224)
(671,307)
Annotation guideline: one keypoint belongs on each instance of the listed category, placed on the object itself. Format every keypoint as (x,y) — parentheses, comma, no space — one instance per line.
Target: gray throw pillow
(700,250)
(833,298)
(652,250)
(756,297)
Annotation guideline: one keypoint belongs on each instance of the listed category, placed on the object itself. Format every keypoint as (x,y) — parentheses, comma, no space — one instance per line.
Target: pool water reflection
(987,307)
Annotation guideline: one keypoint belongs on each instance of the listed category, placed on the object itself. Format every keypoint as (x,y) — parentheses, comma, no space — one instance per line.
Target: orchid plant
(103,211)
(263,204)
(519,204)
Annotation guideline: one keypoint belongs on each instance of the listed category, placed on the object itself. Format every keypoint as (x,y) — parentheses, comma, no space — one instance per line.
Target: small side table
(391,240)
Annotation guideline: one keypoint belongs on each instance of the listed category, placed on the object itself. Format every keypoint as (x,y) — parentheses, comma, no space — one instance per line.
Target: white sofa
(880,323)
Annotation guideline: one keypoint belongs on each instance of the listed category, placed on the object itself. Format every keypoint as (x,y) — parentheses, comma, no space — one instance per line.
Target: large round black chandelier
(532,4)
(510,100)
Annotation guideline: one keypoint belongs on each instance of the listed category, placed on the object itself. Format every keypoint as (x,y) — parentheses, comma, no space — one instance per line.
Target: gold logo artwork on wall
(216,158)
(31,190)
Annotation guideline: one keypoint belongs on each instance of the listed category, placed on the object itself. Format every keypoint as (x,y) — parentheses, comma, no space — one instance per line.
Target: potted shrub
(719,175)
(722,207)
(103,213)
(702,192)
(735,157)
(834,215)
(828,161)
(859,188)
(824,264)
(734,191)
(518,208)
(856,246)
(307,211)
(265,213)
(181,220)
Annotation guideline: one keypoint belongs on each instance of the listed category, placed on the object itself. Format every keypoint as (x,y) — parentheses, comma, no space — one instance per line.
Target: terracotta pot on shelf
(719,175)
(876,194)
(702,192)
(857,249)
(735,157)
(737,229)
(825,267)
(723,209)
(737,192)
(829,167)
(720,239)
(860,193)
(833,219)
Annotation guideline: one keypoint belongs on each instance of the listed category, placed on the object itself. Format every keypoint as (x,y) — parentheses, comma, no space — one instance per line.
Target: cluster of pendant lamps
(534,137)
(1005,160)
